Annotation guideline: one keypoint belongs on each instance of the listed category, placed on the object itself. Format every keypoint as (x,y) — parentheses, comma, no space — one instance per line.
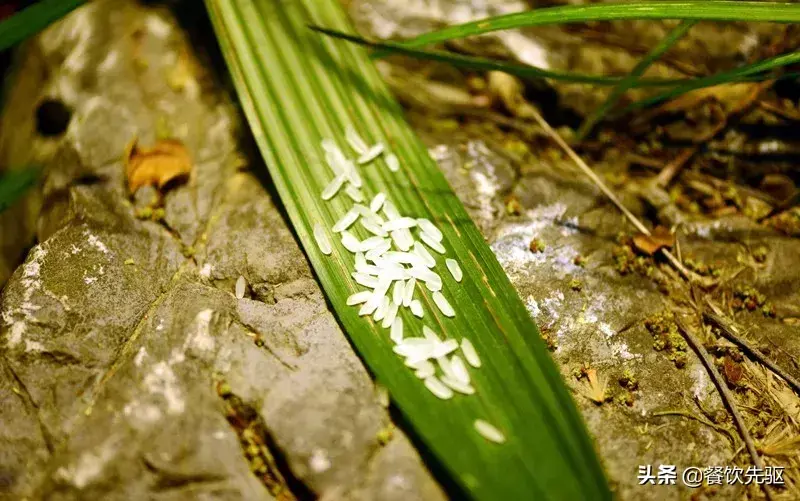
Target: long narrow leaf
(699,10)
(746,73)
(32,20)
(739,74)
(630,81)
(298,88)
(14,183)
(480,63)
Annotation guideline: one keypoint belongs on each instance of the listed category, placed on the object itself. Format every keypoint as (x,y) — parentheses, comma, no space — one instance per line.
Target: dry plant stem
(727,398)
(729,329)
(685,273)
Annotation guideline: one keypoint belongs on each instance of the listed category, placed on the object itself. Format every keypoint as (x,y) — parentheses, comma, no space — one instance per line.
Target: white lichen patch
(201,338)
(88,466)
(319,462)
(141,413)
(140,356)
(162,381)
(109,62)
(157,26)
(620,350)
(31,283)
(205,271)
(95,242)
(34,346)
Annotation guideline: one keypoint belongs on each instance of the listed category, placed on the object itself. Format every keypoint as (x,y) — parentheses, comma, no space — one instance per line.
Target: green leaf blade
(33,19)
(14,183)
(296,88)
(698,10)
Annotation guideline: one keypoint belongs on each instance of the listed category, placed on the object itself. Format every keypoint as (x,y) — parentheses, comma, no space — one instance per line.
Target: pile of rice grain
(392,264)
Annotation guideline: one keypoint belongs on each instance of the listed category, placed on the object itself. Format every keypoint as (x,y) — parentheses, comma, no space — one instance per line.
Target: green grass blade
(14,184)
(32,20)
(699,10)
(744,73)
(297,87)
(480,63)
(628,82)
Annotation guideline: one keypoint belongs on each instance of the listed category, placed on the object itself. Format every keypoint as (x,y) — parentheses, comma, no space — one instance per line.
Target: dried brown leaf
(166,161)
(661,238)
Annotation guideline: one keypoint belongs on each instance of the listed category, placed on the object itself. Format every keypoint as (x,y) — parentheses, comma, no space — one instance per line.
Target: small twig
(674,166)
(730,330)
(727,398)
(685,273)
(687,414)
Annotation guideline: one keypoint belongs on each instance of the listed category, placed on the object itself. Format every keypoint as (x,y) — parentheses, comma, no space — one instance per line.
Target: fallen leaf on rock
(168,160)
(733,371)
(661,238)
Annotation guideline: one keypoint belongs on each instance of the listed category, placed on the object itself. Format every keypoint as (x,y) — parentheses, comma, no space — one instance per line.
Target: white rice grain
(425,370)
(346,221)
(454,268)
(405,258)
(489,431)
(390,211)
(373,228)
(400,223)
(430,335)
(457,385)
(358,298)
(365,280)
(443,304)
(368,269)
(392,162)
(322,239)
(371,154)
(426,226)
(416,308)
(444,365)
(408,292)
(352,174)
(422,252)
(470,354)
(377,202)
(362,210)
(396,332)
(333,187)
(329,145)
(401,240)
(360,260)
(384,282)
(414,347)
(438,388)
(430,242)
(445,348)
(368,308)
(459,369)
(350,242)
(371,243)
(391,314)
(397,292)
(355,141)
(354,193)
(382,310)
(434,285)
(378,251)
(241,284)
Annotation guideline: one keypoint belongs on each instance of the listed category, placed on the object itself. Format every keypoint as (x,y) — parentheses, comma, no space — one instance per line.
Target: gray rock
(119,334)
